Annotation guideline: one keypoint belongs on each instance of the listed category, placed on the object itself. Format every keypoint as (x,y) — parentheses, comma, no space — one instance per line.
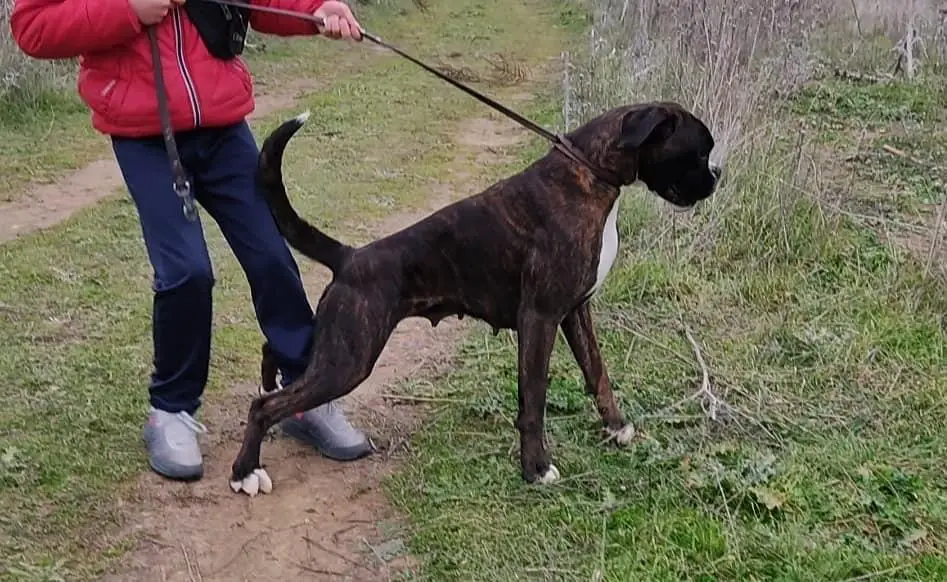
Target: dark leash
(559,141)
(180,183)
(182,186)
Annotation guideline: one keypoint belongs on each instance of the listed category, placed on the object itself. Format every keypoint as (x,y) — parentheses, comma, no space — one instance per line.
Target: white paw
(622,436)
(550,476)
(256,482)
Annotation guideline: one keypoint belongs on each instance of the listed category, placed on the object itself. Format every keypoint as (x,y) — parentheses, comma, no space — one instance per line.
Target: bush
(24,81)
(736,64)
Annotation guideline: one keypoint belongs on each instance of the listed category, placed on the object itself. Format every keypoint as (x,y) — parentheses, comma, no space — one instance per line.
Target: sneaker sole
(299,432)
(176,473)
(171,471)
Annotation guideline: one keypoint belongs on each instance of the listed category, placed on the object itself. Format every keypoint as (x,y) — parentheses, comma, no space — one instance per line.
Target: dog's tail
(300,235)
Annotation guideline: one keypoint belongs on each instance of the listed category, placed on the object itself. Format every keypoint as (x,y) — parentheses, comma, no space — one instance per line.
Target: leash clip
(183,189)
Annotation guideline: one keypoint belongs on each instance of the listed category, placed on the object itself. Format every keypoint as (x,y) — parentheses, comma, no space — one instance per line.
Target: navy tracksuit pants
(221,163)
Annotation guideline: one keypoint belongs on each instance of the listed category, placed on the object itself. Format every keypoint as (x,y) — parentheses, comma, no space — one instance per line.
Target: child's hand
(152,11)
(339,22)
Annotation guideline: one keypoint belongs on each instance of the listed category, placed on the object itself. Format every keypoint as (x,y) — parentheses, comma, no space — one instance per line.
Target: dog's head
(661,144)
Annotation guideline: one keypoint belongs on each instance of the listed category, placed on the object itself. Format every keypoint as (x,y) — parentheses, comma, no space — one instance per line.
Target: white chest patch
(606,257)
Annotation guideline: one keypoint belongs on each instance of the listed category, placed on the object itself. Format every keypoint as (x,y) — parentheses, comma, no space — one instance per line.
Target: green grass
(872,103)
(55,119)
(826,346)
(75,299)
(856,122)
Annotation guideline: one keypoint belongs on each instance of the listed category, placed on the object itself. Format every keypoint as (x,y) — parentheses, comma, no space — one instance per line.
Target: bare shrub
(731,62)
(21,76)
(725,58)
(722,58)
(875,34)
(871,17)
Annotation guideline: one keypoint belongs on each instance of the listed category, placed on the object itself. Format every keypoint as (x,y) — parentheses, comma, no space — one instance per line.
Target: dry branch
(714,408)
(861,77)
(708,400)
(858,20)
(907,60)
(902,154)
(193,571)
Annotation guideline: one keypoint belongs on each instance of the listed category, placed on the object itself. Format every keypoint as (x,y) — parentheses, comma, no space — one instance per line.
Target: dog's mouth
(677,202)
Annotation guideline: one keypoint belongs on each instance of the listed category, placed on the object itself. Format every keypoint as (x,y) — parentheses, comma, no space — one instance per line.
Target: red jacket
(116,79)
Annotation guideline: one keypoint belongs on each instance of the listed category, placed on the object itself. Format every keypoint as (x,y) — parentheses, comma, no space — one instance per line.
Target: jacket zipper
(182,66)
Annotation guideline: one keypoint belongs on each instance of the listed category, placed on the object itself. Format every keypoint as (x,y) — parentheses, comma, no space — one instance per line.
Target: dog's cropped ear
(641,125)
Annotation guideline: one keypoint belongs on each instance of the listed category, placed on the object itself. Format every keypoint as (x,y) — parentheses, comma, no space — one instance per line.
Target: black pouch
(222,28)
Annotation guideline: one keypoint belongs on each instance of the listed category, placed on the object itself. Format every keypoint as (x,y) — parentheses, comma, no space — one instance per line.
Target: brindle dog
(526,254)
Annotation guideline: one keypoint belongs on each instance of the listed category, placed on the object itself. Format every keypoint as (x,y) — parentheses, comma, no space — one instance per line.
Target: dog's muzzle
(717,171)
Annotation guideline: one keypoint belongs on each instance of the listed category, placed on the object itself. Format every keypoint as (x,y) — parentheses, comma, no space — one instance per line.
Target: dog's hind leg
(580,335)
(536,337)
(349,338)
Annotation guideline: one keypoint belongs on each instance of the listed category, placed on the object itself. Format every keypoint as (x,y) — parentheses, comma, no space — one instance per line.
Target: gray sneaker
(171,440)
(327,429)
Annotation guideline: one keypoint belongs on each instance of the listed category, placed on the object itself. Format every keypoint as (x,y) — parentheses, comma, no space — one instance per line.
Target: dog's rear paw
(549,477)
(256,482)
(623,435)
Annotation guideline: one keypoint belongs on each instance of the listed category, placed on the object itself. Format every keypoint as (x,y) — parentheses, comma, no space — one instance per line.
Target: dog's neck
(602,160)
(569,149)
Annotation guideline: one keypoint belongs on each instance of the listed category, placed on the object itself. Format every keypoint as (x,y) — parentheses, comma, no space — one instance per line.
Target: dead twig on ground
(252,539)
(379,557)
(902,154)
(338,555)
(880,573)
(862,77)
(395,398)
(193,571)
(709,401)
(713,407)
(312,570)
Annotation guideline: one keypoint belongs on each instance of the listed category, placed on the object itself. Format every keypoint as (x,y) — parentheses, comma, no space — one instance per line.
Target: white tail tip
(303,117)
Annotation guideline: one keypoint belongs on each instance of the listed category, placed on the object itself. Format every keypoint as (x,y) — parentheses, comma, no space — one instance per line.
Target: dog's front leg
(536,336)
(580,335)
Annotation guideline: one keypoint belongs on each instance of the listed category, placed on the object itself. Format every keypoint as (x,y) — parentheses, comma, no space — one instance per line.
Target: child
(209,99)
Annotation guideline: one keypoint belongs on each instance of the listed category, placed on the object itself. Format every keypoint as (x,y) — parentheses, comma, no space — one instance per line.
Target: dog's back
(454,261)
(471,257)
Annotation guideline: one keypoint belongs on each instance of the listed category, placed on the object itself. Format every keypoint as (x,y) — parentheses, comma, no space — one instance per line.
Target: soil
(324,520)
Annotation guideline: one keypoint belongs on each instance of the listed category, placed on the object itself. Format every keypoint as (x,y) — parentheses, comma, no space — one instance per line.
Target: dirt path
(49,204)
(323,517)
